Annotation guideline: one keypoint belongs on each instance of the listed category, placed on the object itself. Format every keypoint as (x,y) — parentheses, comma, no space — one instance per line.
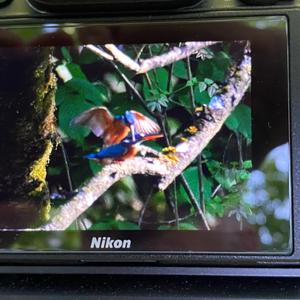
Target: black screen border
(222,30)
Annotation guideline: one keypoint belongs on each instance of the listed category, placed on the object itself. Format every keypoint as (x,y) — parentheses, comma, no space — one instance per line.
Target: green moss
(38,171)
(44,108)
(28,114)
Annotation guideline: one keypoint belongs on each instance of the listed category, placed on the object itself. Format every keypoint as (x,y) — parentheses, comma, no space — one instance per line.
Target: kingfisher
(114,129)
(126,149)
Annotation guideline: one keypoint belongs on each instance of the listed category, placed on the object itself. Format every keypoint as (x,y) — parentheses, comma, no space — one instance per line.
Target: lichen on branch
(145,65)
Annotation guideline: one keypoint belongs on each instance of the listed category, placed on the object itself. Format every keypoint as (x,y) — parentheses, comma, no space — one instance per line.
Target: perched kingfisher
(126,149)
(116,129)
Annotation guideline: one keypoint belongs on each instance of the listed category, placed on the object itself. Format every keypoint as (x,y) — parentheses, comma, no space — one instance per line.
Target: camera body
(177,23)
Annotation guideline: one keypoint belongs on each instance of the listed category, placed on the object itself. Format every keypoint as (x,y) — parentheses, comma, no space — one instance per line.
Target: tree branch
(109,175)
(145,65)
(221,107)
(175,54)
(199,160)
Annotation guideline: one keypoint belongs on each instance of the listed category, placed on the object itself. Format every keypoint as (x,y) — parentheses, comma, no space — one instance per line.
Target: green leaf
(247,164)
(201,98)
(232,200)
(94,166)
(146,89)
(240,121)
(115,225)
(76,71)
(224,176)
(229,179)
(180,70)
(212,90)
(185,100)
(202,86)
(163,100)
(152,105)
(161,77)
(191,175)
(232,122)
(87,57)
(243,175)
(70,108)
(71,99)
(101,226)
(192,82)
(243,113)
(181,226)
(215,68)
(187,226)
(88,90)
(222,60)
(208,81)
(66,54)
(173,125)
(215,207)
(205,69)
(54,171)
(124,225)
(103,90)
(62,93)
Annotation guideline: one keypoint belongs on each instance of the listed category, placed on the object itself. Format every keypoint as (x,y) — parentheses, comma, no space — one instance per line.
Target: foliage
(167,93)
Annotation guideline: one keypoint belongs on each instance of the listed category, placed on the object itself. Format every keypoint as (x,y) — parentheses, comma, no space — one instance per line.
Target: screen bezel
(222,30)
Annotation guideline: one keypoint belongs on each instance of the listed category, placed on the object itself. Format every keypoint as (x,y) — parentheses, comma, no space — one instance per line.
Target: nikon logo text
(109,243)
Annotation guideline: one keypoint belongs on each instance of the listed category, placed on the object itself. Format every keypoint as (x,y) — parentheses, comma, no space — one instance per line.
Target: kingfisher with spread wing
(115,129)
(126,149)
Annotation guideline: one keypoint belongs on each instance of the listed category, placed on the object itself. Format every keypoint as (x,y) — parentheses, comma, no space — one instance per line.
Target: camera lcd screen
(135,137)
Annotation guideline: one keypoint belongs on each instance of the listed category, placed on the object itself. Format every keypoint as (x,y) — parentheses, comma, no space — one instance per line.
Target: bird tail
(91,156)
(151,137)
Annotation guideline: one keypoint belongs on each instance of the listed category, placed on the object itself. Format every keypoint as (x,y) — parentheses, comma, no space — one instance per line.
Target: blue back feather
(112,151)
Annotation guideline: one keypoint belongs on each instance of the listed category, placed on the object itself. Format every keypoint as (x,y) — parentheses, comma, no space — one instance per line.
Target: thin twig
(169,222)
(226,147)
(79,220)
(135,91)
(66,163)
(141,218)
(215,191)
(170,192)
(169,86)
(139,53)
(122,57)
(176,204)
(240,151)
(98,51)
(193,200)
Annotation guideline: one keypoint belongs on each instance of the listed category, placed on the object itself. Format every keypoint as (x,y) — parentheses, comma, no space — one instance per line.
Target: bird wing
(143,124)
(116,133)
(98,119)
